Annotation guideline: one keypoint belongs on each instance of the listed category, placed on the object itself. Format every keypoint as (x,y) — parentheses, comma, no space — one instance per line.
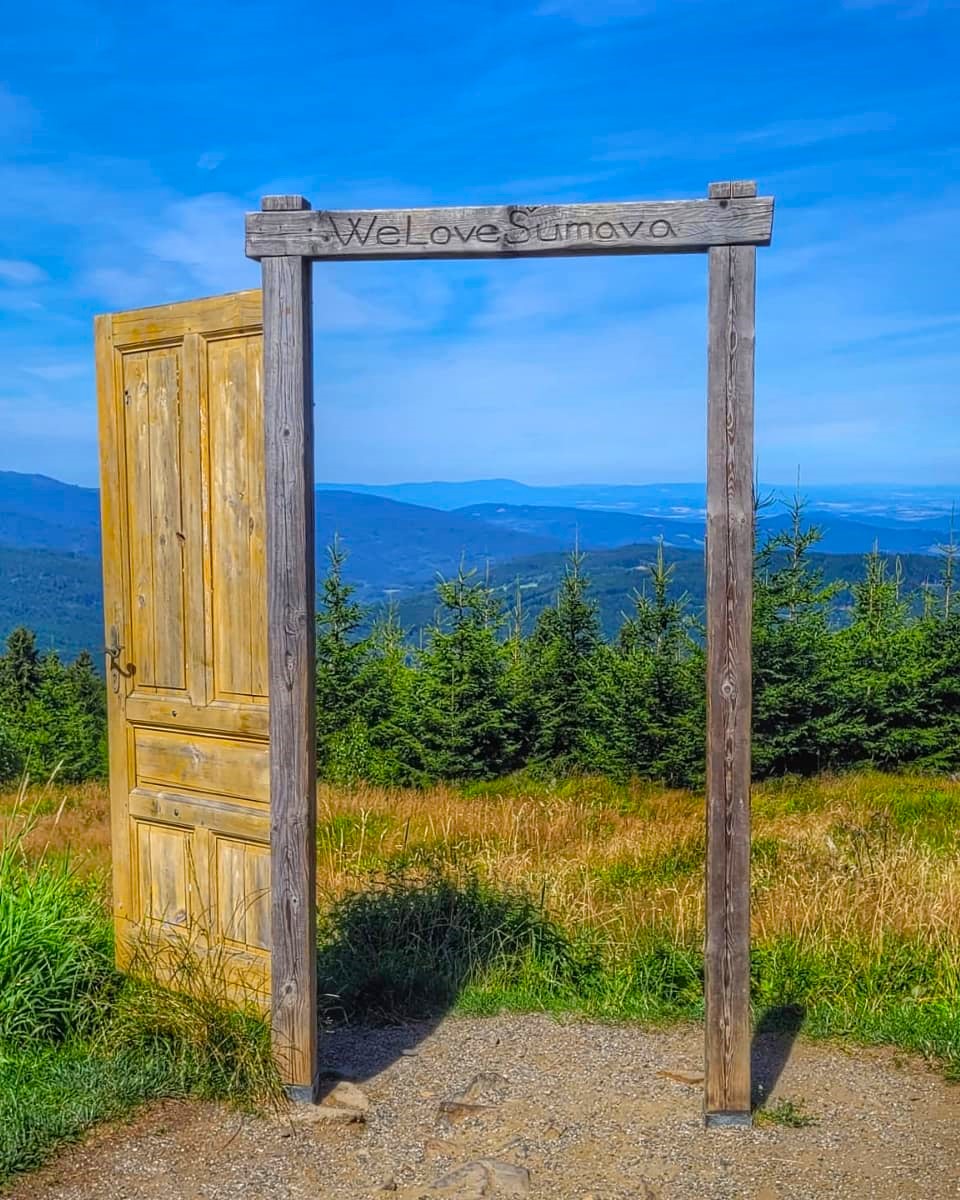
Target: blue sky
(134,137)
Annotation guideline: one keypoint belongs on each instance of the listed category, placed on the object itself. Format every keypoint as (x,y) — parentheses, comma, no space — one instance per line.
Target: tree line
(487,692)
(484,695)
(52,714)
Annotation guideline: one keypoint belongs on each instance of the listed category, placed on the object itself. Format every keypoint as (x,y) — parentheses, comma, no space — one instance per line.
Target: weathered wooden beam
(731,305)
(514,231)
(288,437)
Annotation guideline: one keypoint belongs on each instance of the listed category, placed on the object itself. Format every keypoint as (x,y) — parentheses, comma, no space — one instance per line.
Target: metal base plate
(735,1120)
(302,1093)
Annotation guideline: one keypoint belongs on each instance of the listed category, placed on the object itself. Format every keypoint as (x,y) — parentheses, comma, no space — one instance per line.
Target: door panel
(237,579)
(181,425)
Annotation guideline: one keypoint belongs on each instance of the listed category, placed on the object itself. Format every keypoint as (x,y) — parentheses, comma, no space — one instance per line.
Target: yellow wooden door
(181,434)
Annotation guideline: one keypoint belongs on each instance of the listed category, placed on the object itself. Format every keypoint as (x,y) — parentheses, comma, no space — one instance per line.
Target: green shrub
(56,948)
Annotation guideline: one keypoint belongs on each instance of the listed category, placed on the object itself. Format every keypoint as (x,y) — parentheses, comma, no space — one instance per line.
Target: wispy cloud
(595,12)
(544,368)
(203,235)
(57,372)
(18,301)
(38,416)
(16,270)
(905,8)
(210,160)
(808,131)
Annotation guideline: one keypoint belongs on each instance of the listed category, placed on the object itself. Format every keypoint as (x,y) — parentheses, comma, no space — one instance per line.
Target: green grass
(681,860)
(406,948)
(79,1043)
(785,1112)
(580,899)
(931,814)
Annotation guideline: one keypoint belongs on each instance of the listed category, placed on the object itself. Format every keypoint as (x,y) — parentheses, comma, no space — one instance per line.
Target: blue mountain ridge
(50,536)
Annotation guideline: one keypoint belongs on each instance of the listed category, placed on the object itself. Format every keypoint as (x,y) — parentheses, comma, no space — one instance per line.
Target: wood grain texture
(243,720)
(513,231)
(210,316)
(112,492)
(186,768)
(191,533)
(729,615)
(138,502)
(227,818)
(288,439)
(215,766)
(234,426)
(164,523)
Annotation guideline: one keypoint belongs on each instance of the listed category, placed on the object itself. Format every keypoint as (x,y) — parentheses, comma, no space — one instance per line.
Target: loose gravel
(517,1106)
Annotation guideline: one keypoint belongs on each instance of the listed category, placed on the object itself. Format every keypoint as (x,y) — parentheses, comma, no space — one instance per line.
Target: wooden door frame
(286,236)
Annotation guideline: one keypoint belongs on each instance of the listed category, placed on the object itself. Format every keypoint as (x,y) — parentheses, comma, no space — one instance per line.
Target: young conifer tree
(879,664)
(661,694)
(52,715)
(469,727)
(940,685)
(571,676)
(794,678)
(341,657)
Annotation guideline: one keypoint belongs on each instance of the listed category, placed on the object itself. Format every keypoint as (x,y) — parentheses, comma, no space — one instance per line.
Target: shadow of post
(773,1040)
(393,959)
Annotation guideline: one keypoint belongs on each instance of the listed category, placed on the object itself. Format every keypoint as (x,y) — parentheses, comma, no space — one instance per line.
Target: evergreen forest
(487,692)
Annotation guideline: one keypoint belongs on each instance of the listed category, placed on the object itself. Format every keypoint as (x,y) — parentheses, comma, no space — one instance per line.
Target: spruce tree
(661,694)
(468,724)
(939,686)
(880,674)
(519,680)
(52,716)
(341,655)
(572,672)
(19,669)
(386,742)
(794,683)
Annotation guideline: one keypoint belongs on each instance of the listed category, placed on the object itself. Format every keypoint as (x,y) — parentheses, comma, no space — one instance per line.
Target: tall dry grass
(865,856)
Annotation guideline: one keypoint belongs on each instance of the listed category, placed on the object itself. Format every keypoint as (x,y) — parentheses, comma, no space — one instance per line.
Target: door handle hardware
(113,652)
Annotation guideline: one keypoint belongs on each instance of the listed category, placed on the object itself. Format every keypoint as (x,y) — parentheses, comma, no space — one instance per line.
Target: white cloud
(210,160)
(57,372)
(39,416)
(17,270)
(204,235)
(595,12)
(808,131)
(18,302)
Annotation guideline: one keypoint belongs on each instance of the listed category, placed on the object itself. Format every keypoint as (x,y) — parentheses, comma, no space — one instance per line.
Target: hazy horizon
(554,370)
(836,486)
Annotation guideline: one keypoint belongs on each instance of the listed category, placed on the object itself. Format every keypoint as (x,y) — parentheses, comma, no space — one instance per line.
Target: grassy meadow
(573,896)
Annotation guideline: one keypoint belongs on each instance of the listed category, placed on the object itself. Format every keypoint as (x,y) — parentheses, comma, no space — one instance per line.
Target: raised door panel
(182,470)
(157,617)
(232,421)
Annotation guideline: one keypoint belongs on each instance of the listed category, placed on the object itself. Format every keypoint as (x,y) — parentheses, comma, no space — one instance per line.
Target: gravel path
(528,1106)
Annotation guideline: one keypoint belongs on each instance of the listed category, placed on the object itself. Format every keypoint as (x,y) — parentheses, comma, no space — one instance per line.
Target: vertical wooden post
(729,664)
(288,436)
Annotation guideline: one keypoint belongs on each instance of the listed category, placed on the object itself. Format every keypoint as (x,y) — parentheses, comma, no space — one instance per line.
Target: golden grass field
(864,856)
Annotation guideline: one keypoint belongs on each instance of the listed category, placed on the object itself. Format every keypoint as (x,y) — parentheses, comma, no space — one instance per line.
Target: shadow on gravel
(773,1040)
(398,954)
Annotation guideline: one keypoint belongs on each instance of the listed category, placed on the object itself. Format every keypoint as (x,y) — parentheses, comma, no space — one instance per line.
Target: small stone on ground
(566,1111)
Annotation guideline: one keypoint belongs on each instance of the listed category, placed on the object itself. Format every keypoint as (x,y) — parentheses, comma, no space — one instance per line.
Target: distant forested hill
(398,545)
(57,595)
(615,575)
(40,513)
